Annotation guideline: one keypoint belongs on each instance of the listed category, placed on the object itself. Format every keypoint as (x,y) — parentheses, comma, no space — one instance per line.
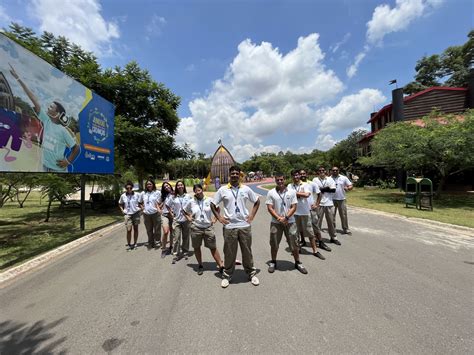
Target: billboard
(48,121)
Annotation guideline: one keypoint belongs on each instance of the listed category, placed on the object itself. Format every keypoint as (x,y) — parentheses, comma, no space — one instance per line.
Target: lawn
(24,234)
(450,208)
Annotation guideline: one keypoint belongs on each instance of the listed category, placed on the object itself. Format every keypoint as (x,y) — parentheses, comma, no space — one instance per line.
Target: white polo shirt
(201,212)
(314,192)
(304,205)
(281,202)
(341,182)
(326,197)
(235,209)
(131,202)
(167,200)
(177,204)
(150,200)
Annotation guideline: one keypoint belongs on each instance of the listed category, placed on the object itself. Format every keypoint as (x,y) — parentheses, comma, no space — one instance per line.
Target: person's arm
(215,210)
(63,163)
(348,186)
(29,93)
(121,205)
(291,211)
(275,215)
(252,214)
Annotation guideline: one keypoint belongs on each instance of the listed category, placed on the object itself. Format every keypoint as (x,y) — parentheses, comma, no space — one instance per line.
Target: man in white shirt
(281,204)
(343,184)
(327,186)
(302,214)
(236,222)
(313,202)
(131,204)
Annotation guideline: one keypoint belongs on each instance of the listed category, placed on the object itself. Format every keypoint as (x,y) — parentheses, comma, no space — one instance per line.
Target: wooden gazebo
(221,162)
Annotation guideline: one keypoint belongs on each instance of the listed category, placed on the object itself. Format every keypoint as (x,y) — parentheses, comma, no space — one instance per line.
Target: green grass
(455,209)
(24,234)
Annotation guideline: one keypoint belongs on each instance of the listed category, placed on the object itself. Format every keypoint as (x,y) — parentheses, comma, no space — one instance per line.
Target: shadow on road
(21,338)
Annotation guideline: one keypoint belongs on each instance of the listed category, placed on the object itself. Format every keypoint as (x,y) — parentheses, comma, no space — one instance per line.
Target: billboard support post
(83,201)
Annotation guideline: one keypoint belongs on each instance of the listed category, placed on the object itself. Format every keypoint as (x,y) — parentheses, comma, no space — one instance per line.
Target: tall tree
(443,143)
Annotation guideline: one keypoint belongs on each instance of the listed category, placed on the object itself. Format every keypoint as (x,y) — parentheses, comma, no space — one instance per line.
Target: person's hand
(313,206)
(281,219)
(249,219)
(223,220)
(13,72)
(62,163)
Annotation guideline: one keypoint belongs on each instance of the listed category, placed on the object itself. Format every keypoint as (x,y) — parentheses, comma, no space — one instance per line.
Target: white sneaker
(254,280)
(224,283)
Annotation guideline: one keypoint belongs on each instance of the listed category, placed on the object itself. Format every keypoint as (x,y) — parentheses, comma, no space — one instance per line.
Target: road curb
(42,260)
(429,222)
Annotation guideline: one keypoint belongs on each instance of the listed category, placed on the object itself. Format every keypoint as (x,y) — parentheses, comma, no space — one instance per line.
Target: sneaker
(271,267)
(134,246)
(299,266)
(163,253)
(225,283)
(238,262)
(200,269)
(335,241)
(319,255)
(323,246)
(254,280)
(185,256)
(129,247)
(347,231)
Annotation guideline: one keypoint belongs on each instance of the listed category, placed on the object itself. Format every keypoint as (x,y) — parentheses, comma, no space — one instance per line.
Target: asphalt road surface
(395,285)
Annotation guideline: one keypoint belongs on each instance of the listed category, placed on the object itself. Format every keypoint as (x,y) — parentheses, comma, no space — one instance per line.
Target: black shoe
(348,232)
(200,269)
(335,241)
(319,255)
(323,246)
(221,270)
(299,266)
(303,243)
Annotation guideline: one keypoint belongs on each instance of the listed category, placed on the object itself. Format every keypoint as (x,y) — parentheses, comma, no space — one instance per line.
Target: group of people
(297,210)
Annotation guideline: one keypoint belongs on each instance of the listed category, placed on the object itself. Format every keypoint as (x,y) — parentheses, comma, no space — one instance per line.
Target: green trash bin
(411,192)
(425,200)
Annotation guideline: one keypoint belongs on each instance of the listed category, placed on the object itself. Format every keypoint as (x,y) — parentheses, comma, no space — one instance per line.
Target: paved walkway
(396,285)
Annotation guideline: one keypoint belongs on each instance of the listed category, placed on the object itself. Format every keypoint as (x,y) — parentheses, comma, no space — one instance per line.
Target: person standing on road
(281,204)
(166,218)
(236,222)
(131,205)
(202,220)
(180,222)
(343,184)
(327,186)
(152,214)
(314,199)
(302,214)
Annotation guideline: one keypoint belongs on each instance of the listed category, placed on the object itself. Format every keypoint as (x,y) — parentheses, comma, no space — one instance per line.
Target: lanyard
(200,204)
(297,188)
(148,193)
(129,199)
(235,195)
(181,201)
(282,198)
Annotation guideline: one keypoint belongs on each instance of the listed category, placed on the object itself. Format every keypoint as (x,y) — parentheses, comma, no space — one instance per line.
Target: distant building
(416,106)
(221,162)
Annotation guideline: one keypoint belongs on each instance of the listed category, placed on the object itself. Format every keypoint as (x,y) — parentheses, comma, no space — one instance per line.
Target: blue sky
(262,75)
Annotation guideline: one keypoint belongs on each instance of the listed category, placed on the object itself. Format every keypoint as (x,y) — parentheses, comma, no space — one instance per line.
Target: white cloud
(78,20)
(324,142)
(338,45)
(386,20)
(351,112)
(4,17)
(155,26)
(262,92)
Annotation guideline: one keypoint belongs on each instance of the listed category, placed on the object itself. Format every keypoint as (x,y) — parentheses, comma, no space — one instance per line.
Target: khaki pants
(341,206)
(207,235)
(328,212)
(315,224)
(153,227)
(180,237)
(276,233)
(303,225)
(232,238)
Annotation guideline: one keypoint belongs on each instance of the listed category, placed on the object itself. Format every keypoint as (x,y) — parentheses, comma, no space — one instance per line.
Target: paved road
(394,286)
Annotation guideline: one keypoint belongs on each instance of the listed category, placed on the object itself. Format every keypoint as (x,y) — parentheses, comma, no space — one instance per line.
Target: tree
(344,153)
(452,66)
(443,143)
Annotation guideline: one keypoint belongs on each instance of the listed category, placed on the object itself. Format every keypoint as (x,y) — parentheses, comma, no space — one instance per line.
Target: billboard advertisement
(48,121)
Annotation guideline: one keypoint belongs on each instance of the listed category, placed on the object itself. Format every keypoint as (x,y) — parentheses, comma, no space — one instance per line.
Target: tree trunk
(441,184)
(23,201)
(48,210)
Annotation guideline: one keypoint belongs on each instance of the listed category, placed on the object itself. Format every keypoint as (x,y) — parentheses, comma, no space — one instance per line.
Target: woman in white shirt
(180,222)
(152,214)
(199,214)
(166,218)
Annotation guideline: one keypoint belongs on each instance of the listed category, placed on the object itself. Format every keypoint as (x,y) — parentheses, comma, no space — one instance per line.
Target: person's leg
(164,236)
(135,234)
(245,242)
(128,228)
(329,214)
(276,232)
(147,220)
(185,238)
(176,240)
(230,251)
(292,240)
(156,229)
(210,243)
(344,219)
(197,235)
